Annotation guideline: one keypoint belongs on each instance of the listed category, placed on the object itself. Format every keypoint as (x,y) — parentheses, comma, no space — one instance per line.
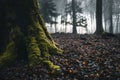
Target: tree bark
(99,26)
(111,17)
(25,34)
(74,17)
(117,24)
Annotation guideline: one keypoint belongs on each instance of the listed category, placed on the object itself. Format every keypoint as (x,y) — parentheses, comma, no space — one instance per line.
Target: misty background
(110,8)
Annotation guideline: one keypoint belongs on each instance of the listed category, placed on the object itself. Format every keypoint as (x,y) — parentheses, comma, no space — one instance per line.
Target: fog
(89,12)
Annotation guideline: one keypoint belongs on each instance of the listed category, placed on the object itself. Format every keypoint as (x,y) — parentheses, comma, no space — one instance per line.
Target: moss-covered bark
(29,39)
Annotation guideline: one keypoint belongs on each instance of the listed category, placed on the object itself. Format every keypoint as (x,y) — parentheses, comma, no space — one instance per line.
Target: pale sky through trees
(60,4)
(89,11)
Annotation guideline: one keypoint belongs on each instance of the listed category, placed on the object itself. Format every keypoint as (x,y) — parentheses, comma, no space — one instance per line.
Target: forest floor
(85,57)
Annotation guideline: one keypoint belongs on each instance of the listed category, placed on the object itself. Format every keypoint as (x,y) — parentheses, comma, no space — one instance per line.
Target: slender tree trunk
(28,37)
(111,18)
(91,20)
(99,26)
(74,17)
(118,18)
(105,25)
(117,24)
(105,11)
(105,20)
(55,24)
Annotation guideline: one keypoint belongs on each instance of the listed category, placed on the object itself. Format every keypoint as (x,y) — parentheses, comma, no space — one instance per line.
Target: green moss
(32,33)
(33,60)
(33,47)
(45,28)
(44,50)
(40,46)
(43,39)
(8,57)
(52,66)
(10,47)
(34,52)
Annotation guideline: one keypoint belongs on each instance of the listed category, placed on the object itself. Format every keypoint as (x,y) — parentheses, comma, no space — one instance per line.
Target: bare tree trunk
(55,24)
(118,18)
(117,24)
(111,18)
(99,27)
(74,17)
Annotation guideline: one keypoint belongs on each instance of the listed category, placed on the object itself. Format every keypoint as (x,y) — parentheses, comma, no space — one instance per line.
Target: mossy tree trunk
(23,33)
